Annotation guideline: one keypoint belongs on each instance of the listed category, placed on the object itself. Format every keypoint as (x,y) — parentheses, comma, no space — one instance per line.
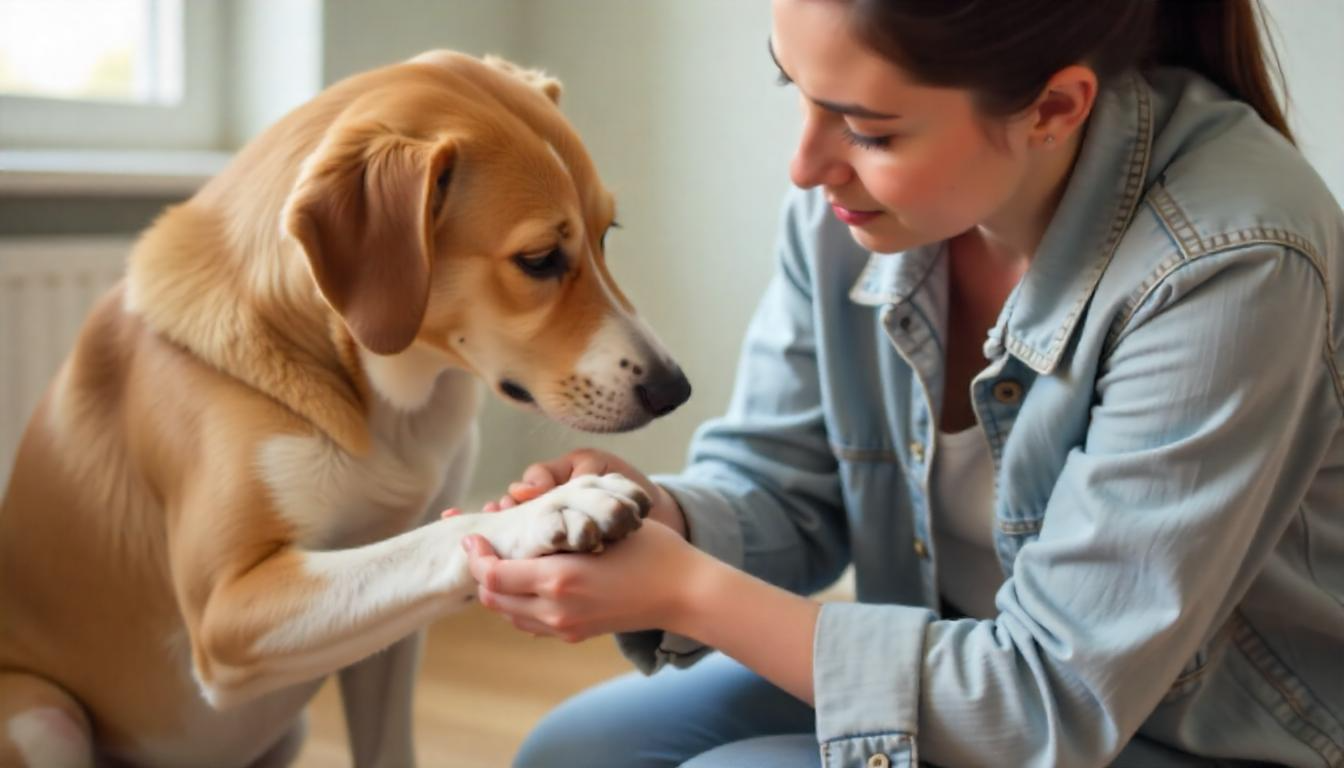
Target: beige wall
(678,104)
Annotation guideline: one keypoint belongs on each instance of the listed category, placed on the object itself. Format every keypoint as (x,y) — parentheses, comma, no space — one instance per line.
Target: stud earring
(1049,141)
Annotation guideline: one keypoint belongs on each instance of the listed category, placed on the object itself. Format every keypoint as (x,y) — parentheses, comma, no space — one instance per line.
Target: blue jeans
(716,714)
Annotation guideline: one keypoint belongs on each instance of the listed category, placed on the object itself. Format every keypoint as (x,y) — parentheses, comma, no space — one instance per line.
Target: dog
(226,493)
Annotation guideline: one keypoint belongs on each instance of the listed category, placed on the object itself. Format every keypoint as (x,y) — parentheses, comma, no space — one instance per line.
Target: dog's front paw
(579,516)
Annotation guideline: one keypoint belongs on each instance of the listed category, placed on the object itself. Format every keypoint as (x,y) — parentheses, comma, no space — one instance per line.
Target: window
(117,50)
(123,74)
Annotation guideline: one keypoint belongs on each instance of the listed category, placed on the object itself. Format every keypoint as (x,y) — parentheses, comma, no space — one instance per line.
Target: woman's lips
(853,218)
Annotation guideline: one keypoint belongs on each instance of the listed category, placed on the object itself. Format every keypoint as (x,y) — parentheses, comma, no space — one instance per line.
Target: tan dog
(219,501)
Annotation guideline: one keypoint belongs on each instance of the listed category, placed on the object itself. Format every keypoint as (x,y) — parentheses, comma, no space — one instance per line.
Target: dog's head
(450,213)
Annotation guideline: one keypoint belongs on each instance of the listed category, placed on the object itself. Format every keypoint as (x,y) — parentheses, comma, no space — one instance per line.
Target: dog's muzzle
(663,390)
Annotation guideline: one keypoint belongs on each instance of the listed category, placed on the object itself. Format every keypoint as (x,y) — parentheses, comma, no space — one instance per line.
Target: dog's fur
(219,500)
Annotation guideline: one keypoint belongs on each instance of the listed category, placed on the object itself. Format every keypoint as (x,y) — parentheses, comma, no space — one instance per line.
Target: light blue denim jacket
(1163,406)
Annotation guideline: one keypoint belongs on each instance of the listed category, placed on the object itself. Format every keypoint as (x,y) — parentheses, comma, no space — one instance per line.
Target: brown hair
(1006,50)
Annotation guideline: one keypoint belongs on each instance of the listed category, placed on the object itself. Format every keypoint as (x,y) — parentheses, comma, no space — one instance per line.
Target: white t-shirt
(963,522)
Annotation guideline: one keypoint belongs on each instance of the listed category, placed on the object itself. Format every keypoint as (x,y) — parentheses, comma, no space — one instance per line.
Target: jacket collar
(1102,195)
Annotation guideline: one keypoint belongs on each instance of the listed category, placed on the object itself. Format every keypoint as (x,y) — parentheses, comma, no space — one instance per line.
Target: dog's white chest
(339,500)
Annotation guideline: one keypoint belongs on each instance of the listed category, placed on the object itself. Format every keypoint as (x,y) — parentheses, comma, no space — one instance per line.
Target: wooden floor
(482,687)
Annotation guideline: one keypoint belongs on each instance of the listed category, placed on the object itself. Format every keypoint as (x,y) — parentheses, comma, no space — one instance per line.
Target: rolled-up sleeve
(761,491)
(1211,413)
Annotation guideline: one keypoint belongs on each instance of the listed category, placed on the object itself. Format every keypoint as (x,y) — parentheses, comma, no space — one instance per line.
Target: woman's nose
(817,161)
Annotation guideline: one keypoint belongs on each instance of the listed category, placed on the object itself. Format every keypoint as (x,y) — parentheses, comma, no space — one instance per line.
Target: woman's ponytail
(1224,41)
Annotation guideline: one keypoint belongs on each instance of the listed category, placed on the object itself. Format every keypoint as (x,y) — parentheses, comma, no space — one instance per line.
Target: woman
(1052,356)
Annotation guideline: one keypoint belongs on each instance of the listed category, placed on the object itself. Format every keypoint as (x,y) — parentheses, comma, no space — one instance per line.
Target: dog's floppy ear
(363,211)
(533,77)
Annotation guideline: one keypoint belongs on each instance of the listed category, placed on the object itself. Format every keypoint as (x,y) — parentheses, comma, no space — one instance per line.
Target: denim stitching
(1199,666)
(865,454)
(1170,212)
(861,294)
(902,740)
(1185,683)
(1292,692)
(1018,527)
(1129,198)
(1255,697)
(1335,377)
(1175,220)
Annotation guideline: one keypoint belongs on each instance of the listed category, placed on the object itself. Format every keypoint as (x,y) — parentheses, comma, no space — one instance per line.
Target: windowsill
(112,173)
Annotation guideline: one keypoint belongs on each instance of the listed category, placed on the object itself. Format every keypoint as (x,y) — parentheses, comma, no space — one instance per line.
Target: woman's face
(902,164)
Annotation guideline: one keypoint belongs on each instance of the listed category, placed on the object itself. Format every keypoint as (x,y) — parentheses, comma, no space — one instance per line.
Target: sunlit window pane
(117,50)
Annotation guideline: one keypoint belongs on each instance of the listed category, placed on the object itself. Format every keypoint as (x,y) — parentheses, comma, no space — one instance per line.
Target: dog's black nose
(663,391)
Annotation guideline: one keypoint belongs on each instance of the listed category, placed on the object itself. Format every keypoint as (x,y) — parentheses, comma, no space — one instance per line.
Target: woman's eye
(542,266)
(865,142)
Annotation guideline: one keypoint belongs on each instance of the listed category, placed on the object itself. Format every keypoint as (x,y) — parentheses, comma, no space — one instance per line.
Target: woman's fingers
(519,606)
(589,462)
(533,615)
(546,475)
(524,491)
(511,577)
(543,476)
(531,627)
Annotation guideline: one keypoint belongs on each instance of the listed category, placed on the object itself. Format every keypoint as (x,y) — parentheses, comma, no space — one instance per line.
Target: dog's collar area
(514,391)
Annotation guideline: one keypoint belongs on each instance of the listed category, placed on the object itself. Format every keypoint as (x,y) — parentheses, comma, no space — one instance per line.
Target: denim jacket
(1162,401)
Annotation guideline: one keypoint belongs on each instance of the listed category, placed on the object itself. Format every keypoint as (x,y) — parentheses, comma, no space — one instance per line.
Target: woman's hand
(542,477)
(643,581)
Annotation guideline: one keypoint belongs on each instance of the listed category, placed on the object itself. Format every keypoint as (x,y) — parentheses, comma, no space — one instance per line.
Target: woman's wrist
(701,581)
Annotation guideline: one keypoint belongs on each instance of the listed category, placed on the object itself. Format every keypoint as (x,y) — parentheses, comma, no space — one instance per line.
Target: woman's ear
(363,210)
(1064,105)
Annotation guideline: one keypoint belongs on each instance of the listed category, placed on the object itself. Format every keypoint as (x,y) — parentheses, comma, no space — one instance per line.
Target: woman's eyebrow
(854,110)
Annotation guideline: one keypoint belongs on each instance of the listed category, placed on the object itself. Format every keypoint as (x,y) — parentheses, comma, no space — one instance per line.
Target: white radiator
(47,285)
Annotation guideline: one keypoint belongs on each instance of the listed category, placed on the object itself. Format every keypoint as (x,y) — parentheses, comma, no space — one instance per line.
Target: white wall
(274,62)
(359,34)
(1309,37)
(678,105)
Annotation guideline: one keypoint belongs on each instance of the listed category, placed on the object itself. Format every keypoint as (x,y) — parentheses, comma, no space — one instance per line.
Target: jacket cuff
(711,522)
(867,663)
(712,527)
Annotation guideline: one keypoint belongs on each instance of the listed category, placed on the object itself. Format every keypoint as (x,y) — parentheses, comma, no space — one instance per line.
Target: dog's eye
(542,266)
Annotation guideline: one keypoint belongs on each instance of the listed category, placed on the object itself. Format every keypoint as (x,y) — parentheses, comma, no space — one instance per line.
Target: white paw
(579,516)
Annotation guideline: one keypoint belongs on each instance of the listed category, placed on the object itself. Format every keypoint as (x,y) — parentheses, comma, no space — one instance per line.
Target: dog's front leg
(377,696)
(377,693)
(296,615)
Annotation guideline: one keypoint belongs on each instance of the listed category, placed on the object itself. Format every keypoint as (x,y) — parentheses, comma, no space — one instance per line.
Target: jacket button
(921,549)
(1007,392)
(917,451)
(879,761)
